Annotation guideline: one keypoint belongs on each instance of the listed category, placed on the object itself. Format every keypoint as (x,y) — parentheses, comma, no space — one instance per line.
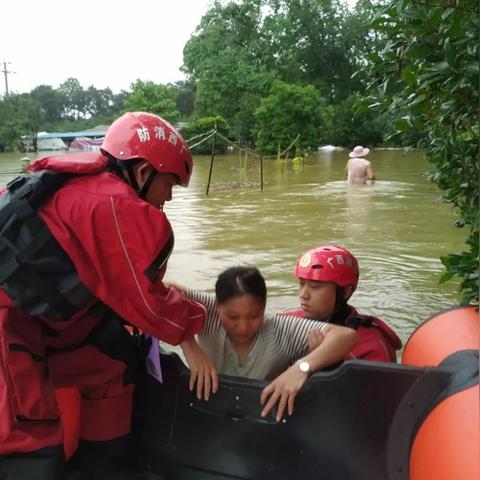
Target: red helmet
(328,263)
(151,138)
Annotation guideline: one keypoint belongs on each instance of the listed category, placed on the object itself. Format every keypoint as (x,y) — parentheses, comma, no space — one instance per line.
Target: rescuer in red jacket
(84,245)
(328,276)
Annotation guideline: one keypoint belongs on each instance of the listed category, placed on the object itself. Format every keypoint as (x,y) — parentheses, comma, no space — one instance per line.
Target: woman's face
(317,299)
(241,317)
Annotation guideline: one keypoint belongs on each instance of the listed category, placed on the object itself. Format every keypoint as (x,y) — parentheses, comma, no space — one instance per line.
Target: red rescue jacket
(119,246)
(378,342)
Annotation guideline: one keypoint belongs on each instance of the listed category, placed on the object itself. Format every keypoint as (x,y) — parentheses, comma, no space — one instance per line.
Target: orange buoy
(69,403)
(441,335)
(447,444)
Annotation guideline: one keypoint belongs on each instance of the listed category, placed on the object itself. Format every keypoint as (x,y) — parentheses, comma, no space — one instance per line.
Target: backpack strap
(35,271)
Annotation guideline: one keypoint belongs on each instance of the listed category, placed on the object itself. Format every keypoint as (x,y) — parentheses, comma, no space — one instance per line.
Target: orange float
(447,444)
(441,335)
(427,416)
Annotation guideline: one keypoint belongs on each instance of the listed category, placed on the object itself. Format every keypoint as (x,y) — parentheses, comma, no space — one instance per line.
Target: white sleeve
(291,334)
(212,322)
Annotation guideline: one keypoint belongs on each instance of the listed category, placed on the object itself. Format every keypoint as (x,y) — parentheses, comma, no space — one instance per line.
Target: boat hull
(362,421)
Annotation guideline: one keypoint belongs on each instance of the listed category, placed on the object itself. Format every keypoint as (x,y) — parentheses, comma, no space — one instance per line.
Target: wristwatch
(304,367)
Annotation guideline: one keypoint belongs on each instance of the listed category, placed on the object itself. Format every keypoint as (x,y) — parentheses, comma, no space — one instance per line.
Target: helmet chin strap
(341,307)
(148,182)
(119,168)
(131,177)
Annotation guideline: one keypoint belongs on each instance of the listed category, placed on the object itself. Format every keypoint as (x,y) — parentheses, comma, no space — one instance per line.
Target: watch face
(304,367)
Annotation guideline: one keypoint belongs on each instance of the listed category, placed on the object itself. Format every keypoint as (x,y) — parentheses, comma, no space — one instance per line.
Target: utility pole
(5,73)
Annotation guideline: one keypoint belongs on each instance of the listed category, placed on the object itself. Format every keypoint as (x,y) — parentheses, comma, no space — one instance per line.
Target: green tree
(151,97)
(225,57)
(197,129)
(288,111)
(244,119)
(98,102)
(11,127)
(51,101)
(75,99)
(24,116)
(351,128)
(428,74)
(31,114)
(361,41)
(314,44)
(185,97)
(240,48)
(118,102)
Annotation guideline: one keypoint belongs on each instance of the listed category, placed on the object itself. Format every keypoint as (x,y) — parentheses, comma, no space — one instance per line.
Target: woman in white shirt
(241,340)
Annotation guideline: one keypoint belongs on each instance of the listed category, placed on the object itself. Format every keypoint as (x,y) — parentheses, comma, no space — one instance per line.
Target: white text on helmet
(143,134)
(159,133)
(172,138)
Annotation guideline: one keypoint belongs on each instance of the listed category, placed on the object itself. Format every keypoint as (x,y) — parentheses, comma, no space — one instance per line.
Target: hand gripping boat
(363,421)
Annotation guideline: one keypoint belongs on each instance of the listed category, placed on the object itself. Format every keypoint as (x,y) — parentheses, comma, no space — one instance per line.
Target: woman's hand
(202,369)
(337,343)
(176,286)
(315,338)
(283,390)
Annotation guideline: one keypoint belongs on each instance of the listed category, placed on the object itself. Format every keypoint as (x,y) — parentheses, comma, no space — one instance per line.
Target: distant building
(60,140)
(26,144)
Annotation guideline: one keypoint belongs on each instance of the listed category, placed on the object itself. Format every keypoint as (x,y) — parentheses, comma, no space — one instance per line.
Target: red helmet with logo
(329,263)
(149,137)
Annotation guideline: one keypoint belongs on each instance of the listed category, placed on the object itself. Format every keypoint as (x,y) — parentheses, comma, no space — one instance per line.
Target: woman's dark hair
(237,281)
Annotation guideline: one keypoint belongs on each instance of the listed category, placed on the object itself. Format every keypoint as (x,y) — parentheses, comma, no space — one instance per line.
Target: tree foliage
(290,111)
(52,102)
(19,115)
(232,59)
(275,69)
(240,48)
(353,127)
(311,45)
(11,127)
(428,73)
(185,97)
(73,93)
(225,58)
(69,107)
(31,115)
(72,107)
(198,129)
(151,97)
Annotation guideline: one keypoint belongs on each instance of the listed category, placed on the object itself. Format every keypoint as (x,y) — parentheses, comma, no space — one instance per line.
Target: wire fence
(241,148)
(202,138)
(213,135)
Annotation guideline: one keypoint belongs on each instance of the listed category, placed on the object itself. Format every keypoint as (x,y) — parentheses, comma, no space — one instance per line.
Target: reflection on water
(395,227)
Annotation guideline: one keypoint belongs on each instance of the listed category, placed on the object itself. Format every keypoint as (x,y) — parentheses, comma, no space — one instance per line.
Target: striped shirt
(281,340)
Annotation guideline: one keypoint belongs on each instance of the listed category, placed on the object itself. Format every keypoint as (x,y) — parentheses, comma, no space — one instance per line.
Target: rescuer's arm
(336,345)
(202,369)
(120,247)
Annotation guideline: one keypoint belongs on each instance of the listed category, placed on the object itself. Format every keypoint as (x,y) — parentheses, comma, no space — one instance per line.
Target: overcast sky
(104,43)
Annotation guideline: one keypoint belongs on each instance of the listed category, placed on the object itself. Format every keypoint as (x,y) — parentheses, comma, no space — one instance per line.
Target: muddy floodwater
(396,227)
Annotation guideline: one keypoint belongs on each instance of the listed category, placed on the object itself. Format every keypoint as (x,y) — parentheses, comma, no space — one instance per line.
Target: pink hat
(359,151)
